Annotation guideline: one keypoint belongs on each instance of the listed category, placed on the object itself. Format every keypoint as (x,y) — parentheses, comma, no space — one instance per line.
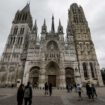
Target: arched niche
(69,74)
(52,73)
(34,75)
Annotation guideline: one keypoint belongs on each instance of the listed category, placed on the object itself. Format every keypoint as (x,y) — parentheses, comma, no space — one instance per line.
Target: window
(75,19)
(22,31)
(74,10)
(24,17)
(21,39)
(13,40)
(19,17)
(15,30)
(85,70)
(92,70)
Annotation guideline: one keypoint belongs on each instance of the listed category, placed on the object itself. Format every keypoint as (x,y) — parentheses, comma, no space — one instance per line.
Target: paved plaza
(59,97)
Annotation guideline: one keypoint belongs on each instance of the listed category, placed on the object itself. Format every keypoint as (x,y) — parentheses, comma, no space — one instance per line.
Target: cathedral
(52,58)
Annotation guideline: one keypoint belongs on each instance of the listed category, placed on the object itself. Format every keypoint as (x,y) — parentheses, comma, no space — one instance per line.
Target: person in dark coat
(89,91)
(94,93)
(50,89)
(20,95)
(46,88)
(28,94)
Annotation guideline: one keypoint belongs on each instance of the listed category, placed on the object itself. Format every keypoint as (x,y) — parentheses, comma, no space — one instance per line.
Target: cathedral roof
(26,8)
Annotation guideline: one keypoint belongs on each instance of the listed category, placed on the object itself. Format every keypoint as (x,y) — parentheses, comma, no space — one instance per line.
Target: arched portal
(52,73)
(69,73)
(34,75)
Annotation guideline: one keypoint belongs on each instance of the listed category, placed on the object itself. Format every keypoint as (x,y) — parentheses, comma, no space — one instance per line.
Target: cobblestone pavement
(59,97)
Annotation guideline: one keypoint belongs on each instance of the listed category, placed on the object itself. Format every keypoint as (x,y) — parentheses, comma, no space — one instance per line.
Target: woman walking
(79,90)
(20,94)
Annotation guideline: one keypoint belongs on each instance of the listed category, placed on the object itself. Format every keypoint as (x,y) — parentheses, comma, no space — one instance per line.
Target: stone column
(62,80)
(77,75)
(26,73)
(42,77)
(82,72)
(42,73)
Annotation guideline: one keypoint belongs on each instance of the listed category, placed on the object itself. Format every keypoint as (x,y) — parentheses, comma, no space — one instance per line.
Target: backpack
(27,92)
(78,89)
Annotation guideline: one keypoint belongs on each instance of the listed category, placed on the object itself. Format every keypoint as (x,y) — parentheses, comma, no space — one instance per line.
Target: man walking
(89,90)
(28,94)
(50,89)
(46,88)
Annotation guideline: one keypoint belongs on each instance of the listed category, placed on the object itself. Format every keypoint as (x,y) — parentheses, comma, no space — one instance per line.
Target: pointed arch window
(25,16)
(92,70)
(22,31)
(15,30)
(19,17)
(85,70)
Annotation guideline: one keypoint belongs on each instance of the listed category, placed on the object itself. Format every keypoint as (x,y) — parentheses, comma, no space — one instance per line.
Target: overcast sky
(40,9)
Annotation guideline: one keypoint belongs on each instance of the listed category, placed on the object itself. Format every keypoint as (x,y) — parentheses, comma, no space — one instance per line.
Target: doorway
(52,80)
(52,73)
(69,73)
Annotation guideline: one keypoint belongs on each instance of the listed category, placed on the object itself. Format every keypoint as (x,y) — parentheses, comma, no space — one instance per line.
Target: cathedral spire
(35,28)
(44,27)
(60,28)
(52,26)
(59,22)
(44,23)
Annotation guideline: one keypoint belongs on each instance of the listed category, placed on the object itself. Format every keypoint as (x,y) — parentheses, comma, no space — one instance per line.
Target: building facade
(50,58)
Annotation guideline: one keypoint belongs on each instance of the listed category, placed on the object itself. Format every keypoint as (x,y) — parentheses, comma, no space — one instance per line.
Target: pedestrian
(79,91)
(68,88)
(89,90)
(20,95)
(71,87)
(50,89)
(75,87)
(94,93)
(28,94)
(46,88)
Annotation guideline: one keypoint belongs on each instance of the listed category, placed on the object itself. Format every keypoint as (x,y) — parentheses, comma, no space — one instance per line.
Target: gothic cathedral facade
(51,58)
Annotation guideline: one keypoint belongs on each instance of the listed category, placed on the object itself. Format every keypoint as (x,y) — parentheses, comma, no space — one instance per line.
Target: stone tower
(86,55)
(14,55)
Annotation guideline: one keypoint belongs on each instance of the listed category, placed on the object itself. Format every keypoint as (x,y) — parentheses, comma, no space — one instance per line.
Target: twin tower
(52,58)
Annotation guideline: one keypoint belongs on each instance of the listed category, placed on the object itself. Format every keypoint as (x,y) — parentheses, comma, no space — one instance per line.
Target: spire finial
(60,28)
(35,26)
(27,7)
(28,2)
(44,27)
(44,22)
(59,22)
(53,27)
